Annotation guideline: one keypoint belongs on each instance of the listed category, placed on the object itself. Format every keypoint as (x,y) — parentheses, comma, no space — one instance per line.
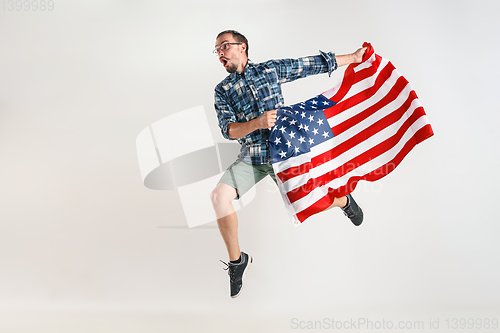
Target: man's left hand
(358,55)
(352,58)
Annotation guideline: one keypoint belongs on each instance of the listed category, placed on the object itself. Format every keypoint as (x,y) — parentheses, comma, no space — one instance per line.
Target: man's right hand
(267,120)
(239,130)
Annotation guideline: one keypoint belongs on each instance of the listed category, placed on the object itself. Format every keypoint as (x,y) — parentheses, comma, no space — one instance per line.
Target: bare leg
(338,202)
(227,220)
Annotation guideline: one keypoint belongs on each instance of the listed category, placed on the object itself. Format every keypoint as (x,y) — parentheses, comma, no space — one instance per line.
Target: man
(246,102)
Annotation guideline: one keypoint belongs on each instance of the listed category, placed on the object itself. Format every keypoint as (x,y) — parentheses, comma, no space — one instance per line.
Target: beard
(231,68)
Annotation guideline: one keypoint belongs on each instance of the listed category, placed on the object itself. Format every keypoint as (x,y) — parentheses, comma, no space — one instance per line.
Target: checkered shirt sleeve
(242,97)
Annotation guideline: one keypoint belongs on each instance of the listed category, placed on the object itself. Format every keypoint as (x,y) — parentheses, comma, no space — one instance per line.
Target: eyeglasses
(224,47)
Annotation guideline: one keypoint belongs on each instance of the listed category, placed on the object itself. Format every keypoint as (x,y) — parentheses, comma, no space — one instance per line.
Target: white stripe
(366,64)
(367,82)
(384,158)
(288,204)
(379,95)
(337,140)
(331,92)
(333,121)
(348,155)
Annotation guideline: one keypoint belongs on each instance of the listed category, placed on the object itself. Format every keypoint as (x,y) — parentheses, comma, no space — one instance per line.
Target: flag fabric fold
(361,129)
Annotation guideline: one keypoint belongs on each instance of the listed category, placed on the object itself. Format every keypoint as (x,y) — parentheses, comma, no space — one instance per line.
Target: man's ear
(243,47)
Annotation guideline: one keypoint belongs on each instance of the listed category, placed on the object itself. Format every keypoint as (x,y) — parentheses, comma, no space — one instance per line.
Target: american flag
(359,130)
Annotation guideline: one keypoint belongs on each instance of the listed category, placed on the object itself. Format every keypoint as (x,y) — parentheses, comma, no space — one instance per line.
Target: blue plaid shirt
(241,97)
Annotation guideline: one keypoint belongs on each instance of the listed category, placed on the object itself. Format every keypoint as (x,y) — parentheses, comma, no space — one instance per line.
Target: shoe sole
(243,276)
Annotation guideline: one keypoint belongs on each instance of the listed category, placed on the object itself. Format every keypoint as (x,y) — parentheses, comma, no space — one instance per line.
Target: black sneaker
(353,211)
(236,273)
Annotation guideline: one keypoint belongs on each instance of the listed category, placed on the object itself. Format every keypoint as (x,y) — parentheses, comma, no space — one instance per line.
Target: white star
(288,143)
(301,126)
(293,122)
(278,140)
(292,134)
(320,122)
(284,118)
(314,102)
(282,129)
(303,108)
(325,134)
(314,107)
(296,149)
(315,131)
(282,154)
(296,111)
(301,139)
(306,128)
(303,114)
(277,118)
(311,141)
(325,103)
(311,118)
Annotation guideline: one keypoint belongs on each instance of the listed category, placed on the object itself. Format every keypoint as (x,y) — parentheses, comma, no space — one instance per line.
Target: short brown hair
(236,35)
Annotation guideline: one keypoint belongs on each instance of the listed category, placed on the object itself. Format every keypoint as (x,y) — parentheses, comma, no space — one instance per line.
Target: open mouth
(224,61)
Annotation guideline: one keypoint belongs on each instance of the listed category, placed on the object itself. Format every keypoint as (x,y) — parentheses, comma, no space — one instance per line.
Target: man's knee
(222,194)
(214,196)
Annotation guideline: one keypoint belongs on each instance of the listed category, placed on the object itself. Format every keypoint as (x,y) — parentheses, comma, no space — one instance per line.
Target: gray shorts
(243,176)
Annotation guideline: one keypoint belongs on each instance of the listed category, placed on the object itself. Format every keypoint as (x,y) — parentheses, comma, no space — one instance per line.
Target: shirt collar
(235,75)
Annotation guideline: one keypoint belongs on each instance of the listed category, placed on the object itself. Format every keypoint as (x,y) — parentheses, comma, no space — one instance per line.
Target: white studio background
(84,246)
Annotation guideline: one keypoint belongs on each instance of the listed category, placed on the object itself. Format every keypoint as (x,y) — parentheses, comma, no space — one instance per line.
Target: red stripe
(294,171)
(356,139)
(351,77)
(422,135)
(369,51)
(325,202)
(345,86)
(315,208)
(401,83)
(362,95)
(360,159)
(369,71)
(356,99)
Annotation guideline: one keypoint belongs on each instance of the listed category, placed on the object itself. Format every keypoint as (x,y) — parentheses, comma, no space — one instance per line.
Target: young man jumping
(246,102)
